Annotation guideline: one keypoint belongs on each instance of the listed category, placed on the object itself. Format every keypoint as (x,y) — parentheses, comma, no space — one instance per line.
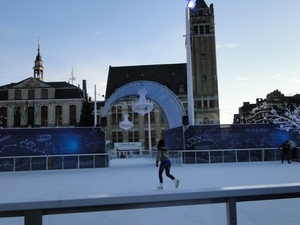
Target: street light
(190,96)
(143,106)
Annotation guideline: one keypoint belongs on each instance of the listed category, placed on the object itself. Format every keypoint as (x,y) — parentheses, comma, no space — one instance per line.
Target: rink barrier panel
(34,211)
(53,162)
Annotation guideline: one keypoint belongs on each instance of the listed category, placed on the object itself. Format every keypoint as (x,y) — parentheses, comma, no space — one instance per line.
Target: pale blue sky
(257,42)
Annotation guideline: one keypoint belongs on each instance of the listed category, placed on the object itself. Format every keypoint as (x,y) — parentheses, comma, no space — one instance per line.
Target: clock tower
(38,68)
(204,64)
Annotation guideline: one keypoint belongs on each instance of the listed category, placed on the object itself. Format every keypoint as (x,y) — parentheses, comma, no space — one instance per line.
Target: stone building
(260,111)
(173,76)
(35,103)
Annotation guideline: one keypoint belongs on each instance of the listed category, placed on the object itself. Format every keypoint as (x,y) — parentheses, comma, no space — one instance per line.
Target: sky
(257,43)
(138,176)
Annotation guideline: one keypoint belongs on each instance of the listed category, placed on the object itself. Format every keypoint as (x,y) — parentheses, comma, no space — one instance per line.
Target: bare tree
(289,119)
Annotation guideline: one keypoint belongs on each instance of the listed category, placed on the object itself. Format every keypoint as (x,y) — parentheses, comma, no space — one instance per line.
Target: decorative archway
(161,95)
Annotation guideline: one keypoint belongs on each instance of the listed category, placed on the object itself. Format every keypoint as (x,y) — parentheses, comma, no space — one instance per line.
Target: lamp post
(95,107)
(190,95)
(143,106)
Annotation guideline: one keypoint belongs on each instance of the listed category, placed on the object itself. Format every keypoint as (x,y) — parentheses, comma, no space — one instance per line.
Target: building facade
(35,103)
(260,112)
(173,76)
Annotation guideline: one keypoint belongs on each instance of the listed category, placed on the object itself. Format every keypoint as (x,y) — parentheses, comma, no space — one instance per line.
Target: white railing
(33,212)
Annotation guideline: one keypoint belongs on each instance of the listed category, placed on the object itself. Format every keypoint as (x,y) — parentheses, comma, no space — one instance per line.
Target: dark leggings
(165,165)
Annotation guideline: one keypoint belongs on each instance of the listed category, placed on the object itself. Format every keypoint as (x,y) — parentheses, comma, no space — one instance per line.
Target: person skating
(165,164)
(293,148)
(285,151)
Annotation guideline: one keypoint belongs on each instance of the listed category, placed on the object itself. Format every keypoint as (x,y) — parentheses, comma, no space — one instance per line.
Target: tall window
(151,117)
(116,115)
(17,94)
(72,116)
(3,115)
(17,117)
(44,116)
(30,116)
(44,93)
(133,116)
(133,136)
(153,136)
(117,137)
(58,115)
(31,94)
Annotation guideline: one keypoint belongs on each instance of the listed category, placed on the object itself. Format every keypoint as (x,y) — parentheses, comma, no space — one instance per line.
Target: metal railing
(51,162)
(225,155)
(33,212)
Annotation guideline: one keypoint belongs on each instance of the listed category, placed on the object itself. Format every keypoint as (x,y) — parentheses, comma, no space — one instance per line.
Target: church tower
(38,68)
(204,64)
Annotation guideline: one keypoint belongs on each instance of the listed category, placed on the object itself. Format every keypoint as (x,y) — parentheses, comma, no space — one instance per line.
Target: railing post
(33,217)
(231,211)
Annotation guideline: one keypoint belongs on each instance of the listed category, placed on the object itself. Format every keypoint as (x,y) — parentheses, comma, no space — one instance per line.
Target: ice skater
(293,148)
(165,164)
(285,151)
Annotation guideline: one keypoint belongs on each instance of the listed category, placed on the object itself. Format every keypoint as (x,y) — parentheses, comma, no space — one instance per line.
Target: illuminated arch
(161,95)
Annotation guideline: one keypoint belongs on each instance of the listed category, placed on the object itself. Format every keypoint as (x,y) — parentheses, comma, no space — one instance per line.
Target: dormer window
(181,89)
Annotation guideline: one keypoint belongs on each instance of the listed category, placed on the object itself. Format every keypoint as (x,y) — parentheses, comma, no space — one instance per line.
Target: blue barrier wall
(51,141)
(237,136)
(230,143)
(15,143)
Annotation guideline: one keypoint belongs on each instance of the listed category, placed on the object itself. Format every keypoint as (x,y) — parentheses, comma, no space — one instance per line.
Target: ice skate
(160,187)
(176,182)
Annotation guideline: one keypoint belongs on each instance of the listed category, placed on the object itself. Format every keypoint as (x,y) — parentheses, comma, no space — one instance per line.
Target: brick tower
(204,64)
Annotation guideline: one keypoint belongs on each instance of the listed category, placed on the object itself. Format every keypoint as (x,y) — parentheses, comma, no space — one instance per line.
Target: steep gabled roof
(200,4)
(170,75)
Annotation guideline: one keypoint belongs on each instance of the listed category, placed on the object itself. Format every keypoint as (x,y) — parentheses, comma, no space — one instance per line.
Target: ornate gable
(31,83)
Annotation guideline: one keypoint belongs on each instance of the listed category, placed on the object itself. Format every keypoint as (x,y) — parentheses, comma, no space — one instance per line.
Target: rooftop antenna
(72,75)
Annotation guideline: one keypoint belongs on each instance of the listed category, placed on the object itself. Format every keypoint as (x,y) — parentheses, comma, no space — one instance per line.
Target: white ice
(136,175)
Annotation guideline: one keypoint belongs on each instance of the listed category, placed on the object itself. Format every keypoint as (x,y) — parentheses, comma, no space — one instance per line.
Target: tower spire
(38,68)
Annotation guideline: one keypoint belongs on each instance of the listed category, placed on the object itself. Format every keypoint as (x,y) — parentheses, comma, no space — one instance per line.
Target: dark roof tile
(170,75)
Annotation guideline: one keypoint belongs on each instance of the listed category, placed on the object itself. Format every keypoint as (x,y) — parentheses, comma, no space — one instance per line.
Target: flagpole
(95,107)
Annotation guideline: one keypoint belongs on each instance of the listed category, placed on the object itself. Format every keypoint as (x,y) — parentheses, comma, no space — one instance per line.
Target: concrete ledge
(228,195)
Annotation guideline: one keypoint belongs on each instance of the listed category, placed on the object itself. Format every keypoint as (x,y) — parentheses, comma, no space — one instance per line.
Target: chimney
(84,88)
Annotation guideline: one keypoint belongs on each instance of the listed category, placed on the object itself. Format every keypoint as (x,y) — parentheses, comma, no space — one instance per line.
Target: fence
(51,162)
(225,155)
(33,212)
